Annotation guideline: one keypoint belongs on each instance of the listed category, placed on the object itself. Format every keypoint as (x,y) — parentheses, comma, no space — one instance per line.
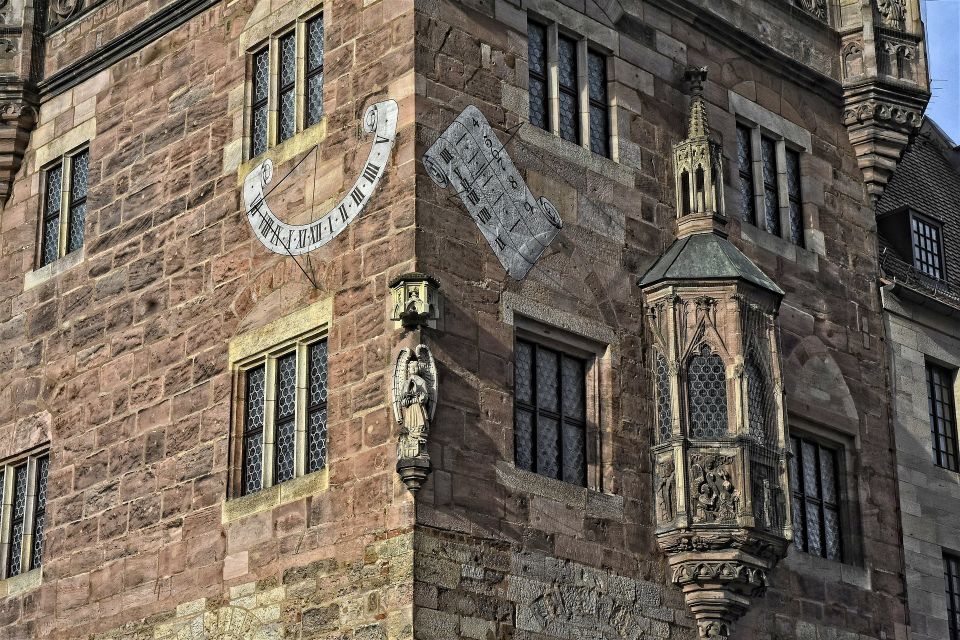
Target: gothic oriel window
(927,250)
(550,412)
(951,578)
(664,411)
(286,84)
(284,431)
(707,395)
(23,515)
(64,206)
(814,479)
(943,425)
(758,403)
(568,87)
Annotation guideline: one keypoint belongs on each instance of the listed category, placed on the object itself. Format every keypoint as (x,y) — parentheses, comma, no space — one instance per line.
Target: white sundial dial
(380,119)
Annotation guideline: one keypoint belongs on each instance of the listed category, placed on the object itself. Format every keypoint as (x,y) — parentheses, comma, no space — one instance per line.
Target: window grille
(40,511)
(951,578)
(569,93)
(314,70)
(253,430)
(816,499)
(926,247)
(707,395)
(17,521)
(50,250)
(550,416)
(758,401)
(24,516)
(286,404)
(943,426)
(748,204)
(287,93)
(64,207)
(599,113)
(794,196)
(771,191)
(537,54)
(261,92)
(317,408)
(664,411)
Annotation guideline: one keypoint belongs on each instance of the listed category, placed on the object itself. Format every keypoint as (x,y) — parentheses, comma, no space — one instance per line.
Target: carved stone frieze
(816,8)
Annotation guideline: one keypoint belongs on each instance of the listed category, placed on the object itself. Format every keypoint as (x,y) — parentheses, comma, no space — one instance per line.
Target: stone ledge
(38,276)
(593,504)
(22,583)
(272,497)
(805,258)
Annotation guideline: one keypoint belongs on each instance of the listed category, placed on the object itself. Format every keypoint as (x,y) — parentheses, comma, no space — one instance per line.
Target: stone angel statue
(414,399)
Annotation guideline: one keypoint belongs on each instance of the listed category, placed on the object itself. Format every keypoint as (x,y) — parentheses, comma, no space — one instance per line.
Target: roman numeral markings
(357,195)
(370,172)
(342,209)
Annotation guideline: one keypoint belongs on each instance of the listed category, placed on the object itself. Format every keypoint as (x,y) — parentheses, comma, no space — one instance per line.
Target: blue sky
(942,18)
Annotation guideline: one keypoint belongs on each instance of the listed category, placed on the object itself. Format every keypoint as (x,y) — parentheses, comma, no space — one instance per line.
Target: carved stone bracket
(18,115)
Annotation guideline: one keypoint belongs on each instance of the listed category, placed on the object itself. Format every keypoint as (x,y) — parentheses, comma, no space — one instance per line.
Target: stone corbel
(18,116)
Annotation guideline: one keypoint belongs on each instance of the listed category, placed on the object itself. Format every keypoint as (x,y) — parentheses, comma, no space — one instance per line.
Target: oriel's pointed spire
(697,126)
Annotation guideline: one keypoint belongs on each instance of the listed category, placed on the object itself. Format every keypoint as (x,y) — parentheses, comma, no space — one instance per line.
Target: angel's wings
(400,382)
(428,370)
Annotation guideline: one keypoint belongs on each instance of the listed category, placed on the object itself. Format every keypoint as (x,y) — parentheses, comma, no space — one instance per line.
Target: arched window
(685,192)
(707,395)
(758,406)
(664,412)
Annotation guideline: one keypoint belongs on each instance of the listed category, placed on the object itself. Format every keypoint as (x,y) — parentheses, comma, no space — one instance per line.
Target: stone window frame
(593,354)
(585,45)
(951,372)
(275,146)
(849,509)
(29,574)
(65,163)
(294,332)
(787,136)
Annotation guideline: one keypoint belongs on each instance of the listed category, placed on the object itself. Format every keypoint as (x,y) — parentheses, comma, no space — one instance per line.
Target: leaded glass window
(64,207)
(314,70)
(287,92)
(261,92)
(537,65)
(569,90)
(748,203)
(664,410)
(816,498)
(285,415)
(599,112)
(758,400)
(794,196)
(550,412)
(23,484)
(943,423)
(707,395)
(951,578)
(771,191)
(926,247)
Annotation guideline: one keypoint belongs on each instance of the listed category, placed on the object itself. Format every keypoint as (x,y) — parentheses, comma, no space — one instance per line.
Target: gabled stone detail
(885,85)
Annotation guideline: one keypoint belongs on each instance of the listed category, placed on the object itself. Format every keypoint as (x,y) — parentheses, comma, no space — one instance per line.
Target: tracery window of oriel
(719,465)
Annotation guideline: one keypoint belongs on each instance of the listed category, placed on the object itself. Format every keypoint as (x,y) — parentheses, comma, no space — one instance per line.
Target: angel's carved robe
(414,401)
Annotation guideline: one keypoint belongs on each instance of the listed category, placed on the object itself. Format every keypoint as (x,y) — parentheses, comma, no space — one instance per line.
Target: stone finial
(697,126)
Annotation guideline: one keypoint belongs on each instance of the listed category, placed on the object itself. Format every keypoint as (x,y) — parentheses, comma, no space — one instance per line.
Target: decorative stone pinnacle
(697,126)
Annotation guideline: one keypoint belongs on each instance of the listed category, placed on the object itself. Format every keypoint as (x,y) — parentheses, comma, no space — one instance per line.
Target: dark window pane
(815,488)
(599,114)
(314,70)
(318,373)
(796,203)
(771,193)
(757,404)
(573,389)
(926,247)
(40,511)
(548,396)
(569,91)
(707,393)
(951,578)
(17,514)
(548,447)
(942,416)
(317,407)
(286,437)
(286,386)
(748,205)
(79,179)
(523,376)
(50,242)
(664,409)
(261,91)
(253,430)
(523,440)
(286,409)
(316,440)
(286,116)
(537,64)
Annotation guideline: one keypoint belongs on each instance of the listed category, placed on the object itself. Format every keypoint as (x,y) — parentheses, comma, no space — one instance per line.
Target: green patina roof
(707,256)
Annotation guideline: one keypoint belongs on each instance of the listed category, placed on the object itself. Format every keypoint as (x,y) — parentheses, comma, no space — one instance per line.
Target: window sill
(590,502)
(290,148)
(272,497)
(805,258)
(38,276)
(577,154)
(22,583)
(833,571)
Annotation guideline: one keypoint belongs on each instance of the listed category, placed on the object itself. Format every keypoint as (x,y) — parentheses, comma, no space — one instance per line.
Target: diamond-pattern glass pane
(315,43)
(567,62)
(285,434)
(16,549)
(547,368)
(793,191)
(259,142)
(771,197)
(548,447)
(80,175)
(253,429)
(799,526)
(39,518)
(574,468)
(79,178)
(286,118)
(828,476)
(50,246)
(261,90)
(817,522)
(831,530)
(77,223)
(286,386)
(51,240)
(599,116)
(814,542)
(523,440)
(523,372)
(810,479)
(569,117)
(599,130)
(18,511)
(707,392)
(314,70)
(664,410)
(537,55)
(317,373)
(597,76)
(288,60)
(748,205)
(261,75)
(54,190)
(314,98)
(316,440)
(756,400)
(538,103)
(573,389)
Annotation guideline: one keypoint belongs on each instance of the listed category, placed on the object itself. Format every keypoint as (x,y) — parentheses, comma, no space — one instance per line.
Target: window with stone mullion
(259,113)
(40,511)
(287,87)
(317,407)
(771,189)
(748,204)
(599,113)
(314,75)
(285,420)
(943,428)
(254,423)
(53,202)
(537,69)
(18,513)
(550,416)
(569,97)
(794,197)
(951,578)
(79,179)
(816,491)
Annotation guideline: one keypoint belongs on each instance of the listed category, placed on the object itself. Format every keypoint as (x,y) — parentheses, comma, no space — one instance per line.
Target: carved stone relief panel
(852,56)
(665,479)
(713,488)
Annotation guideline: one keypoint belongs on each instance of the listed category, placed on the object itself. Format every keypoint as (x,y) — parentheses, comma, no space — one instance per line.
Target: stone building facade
(216,214)
(921,301)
